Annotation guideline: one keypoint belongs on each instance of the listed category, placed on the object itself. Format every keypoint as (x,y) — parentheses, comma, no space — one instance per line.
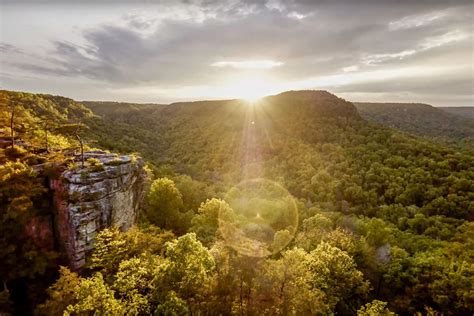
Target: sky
(166,51)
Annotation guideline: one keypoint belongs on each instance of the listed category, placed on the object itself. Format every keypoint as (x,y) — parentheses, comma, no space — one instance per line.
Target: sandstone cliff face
(93,198)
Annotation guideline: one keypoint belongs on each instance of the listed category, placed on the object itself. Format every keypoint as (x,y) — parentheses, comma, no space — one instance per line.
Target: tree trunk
(379,284)
(241,297)
(12,123)
(46,136)
(82,148)
(82,154)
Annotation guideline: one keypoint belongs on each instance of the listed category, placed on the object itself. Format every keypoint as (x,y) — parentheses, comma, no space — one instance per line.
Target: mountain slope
(420,119)
(38,118)
(212,128)
(290,137)
(461,111)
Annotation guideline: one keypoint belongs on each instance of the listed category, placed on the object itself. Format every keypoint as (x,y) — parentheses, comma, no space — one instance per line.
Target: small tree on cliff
(15,113)
(47,125)
(75,130)
(12,124)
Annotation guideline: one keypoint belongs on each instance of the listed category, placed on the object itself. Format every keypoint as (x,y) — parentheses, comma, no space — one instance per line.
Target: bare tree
(75,130)
(12,124)
(48,125)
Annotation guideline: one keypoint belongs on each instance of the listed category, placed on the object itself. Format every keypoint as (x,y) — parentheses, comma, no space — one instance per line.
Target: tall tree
(165,202)
(205,223)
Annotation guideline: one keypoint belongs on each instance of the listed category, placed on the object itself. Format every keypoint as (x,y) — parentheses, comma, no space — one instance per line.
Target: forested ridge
(384,218)
(461,111)
(453,126)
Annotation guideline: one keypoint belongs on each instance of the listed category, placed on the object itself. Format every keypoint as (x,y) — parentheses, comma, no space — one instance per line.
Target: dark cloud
(7,48)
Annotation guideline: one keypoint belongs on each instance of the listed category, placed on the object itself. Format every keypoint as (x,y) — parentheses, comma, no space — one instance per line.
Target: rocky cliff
(105,193)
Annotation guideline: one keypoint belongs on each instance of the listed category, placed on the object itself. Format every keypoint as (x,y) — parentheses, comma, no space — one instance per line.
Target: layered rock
(95,197)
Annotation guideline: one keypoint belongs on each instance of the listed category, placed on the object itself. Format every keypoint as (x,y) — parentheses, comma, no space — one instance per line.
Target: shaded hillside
(461,111)
(29,245)
(420,119)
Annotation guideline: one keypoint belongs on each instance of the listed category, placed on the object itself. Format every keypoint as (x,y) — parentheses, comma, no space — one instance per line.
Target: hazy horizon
(243,99)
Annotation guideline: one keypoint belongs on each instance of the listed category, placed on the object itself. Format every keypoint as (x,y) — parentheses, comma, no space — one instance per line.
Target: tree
(165,202)
(188,270)
(172,305)
(312,231)
(94,296)
(12,124)
(21,195)
(193,192)
(112,247)
(5,303)
(205,223)
(375,308)
(334,272)
(12,106)
(283,286)
(75,129)
(48,125)
(134,282)
(61,294)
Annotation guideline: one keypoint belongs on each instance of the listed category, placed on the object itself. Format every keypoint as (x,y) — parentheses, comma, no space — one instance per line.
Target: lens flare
(262,220)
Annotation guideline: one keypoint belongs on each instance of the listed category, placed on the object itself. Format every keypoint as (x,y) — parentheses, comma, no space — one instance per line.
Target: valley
(386,213)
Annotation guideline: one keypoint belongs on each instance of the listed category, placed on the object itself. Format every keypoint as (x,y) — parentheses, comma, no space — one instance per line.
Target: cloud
(413,21)
(7,48)
(350,68)
(424,45)
(298,16)
(173,44)
(248,64)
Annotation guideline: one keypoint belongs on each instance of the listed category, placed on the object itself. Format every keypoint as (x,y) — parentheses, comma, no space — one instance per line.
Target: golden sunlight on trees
(347,217)
(165,203)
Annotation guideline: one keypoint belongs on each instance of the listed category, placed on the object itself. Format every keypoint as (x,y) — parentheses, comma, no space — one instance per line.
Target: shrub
(115,162)
(73,166)
(95,164)
(15,152)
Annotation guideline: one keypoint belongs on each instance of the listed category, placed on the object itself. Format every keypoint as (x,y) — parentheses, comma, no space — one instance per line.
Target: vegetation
(383,218)
(451,126)
(462,111)
(28,263)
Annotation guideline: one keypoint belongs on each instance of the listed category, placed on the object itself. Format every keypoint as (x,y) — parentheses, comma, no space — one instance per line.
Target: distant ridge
(306,102)
(313,102)
(462,111)
(420,119)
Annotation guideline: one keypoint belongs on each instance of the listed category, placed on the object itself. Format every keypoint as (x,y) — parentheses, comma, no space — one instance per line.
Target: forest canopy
(350,217)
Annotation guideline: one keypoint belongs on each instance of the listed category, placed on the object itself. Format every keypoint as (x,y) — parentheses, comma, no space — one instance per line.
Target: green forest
(448,125)
(292,205)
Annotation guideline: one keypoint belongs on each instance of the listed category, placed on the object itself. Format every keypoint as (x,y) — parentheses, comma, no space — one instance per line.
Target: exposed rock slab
(90,199)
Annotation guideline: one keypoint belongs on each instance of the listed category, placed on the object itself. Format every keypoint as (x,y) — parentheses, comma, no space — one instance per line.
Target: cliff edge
(104,193)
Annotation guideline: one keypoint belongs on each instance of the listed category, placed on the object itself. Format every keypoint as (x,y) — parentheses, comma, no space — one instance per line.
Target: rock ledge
(95,197)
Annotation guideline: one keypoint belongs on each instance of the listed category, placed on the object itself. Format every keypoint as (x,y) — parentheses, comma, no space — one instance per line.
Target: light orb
(262,219)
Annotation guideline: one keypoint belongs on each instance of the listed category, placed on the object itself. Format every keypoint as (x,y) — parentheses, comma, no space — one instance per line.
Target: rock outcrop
(95,197)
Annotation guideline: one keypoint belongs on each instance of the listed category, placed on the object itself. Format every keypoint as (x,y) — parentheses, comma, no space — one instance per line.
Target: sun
(250,88)
(254,88)
(252,99)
